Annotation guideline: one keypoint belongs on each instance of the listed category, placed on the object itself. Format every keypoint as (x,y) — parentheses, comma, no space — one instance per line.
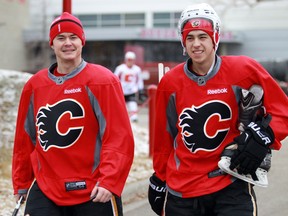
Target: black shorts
(238,199)
(38,204)
(130,97)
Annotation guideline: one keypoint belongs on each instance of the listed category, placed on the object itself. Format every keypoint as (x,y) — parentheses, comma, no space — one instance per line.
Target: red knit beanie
(198,24)
(66,23)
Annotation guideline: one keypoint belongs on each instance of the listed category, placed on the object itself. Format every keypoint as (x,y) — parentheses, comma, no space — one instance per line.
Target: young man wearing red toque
(72,148)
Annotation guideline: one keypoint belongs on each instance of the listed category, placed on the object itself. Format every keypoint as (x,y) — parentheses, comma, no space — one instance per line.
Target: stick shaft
(18,205)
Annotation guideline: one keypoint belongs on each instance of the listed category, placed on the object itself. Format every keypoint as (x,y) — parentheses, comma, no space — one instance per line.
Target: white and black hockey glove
(156,194)
(253,145)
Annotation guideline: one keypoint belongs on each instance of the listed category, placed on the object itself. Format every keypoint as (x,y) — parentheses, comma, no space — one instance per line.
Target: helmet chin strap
(184,51)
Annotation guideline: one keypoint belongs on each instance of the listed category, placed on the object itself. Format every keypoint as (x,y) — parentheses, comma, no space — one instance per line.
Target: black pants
(39,205)
(238,199)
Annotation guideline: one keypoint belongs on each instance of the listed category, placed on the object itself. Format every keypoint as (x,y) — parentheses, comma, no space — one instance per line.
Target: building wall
(250,25)
(14,16)
(264,30)
(263,44)
(267,15)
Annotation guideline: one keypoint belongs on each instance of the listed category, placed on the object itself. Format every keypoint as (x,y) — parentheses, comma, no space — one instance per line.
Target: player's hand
(17,197)
(100,194)
(156,194)
(253,145)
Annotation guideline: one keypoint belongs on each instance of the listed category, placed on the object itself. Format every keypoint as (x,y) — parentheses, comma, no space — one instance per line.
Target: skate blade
(261,174)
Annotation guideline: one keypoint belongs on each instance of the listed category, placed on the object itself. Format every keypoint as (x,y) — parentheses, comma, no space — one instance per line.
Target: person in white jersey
(132,83)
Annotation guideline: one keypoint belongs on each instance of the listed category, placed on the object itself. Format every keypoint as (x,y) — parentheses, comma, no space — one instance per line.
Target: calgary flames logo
(196,23)
(57,126)
(205,127)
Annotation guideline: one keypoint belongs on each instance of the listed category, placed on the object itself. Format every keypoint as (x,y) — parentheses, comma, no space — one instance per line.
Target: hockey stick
(18,205)
(162,70)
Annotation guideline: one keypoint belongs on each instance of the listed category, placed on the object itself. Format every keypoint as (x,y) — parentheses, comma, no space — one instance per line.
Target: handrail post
(152,110)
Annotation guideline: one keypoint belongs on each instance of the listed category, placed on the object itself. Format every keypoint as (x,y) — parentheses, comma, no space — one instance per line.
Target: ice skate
(261,172)
(250,106)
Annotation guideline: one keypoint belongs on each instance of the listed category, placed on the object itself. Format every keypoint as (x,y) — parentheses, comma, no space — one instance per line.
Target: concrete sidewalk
(134,194)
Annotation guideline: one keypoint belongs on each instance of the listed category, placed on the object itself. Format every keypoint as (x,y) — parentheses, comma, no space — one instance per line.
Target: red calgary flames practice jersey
(72,132)
(197,117)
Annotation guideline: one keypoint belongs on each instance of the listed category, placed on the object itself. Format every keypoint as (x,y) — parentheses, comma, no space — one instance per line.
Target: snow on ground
(11,83)
(142,165)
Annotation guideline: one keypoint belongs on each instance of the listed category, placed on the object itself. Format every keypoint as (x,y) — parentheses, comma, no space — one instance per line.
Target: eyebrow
(201,34)
(62,34)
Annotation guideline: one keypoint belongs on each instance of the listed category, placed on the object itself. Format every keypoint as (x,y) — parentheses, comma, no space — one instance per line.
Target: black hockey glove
(156,194)
(253,145)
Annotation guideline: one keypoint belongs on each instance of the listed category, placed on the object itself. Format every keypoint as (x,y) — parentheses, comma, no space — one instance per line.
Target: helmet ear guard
(200,11)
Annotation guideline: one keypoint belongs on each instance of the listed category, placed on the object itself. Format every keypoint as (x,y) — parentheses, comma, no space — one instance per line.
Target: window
(168,20)
(113,20)
(131,20)
(110,20)
(88,20)
(175,19)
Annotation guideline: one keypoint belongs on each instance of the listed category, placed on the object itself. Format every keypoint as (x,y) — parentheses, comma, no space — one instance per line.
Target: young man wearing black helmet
(197,117)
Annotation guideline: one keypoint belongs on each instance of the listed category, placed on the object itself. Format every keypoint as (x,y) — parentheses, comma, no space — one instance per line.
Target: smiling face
(200,48)
(67,48)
